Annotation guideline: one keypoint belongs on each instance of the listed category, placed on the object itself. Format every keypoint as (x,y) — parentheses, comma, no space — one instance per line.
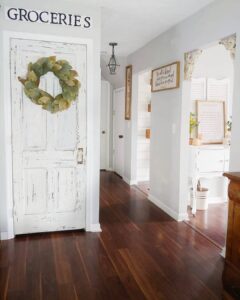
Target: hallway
(140,254)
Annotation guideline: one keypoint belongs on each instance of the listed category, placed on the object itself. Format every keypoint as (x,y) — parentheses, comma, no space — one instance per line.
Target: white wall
(170,111)
(93,34)
(130,137)
(214,62)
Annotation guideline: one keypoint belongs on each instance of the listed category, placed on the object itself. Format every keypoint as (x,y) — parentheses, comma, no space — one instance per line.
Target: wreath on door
(67,80)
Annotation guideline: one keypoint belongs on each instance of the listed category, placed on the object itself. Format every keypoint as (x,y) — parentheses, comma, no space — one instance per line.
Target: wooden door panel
(35,192)
(49,185)
(35,136)
(65,130)
(66,190)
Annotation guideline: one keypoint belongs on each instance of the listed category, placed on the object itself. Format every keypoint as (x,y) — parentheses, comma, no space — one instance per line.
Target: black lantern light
(112,65)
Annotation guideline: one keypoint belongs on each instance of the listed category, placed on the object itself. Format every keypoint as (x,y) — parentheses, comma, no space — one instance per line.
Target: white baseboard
(216,200)
(5,236)
(183,217)
(139,180)
(94,228)
(223,252)
(128,181)
(168,210)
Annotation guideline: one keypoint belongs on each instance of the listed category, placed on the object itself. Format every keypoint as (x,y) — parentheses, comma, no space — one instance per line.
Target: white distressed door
(104,127)
(118,130)
(49,150)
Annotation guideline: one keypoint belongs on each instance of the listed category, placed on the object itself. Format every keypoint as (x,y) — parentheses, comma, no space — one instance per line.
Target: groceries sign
(47,17)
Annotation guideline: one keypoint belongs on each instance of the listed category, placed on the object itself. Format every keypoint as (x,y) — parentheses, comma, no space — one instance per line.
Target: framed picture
(166,77)
(128,92)
(211,116)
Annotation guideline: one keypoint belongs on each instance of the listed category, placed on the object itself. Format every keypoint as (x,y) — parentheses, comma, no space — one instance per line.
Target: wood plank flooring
(212,223)
(140,254)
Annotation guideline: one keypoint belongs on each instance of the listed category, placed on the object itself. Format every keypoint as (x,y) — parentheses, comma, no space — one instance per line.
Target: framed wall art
(211,117)
(128,92)
(166,77)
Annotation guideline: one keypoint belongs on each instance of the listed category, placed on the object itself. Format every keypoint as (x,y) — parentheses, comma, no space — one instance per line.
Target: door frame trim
(107,155)
(7,36)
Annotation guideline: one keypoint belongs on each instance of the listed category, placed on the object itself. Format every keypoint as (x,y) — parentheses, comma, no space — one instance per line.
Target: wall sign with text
(166,77)
(211,116)
(47,17)
(128,92)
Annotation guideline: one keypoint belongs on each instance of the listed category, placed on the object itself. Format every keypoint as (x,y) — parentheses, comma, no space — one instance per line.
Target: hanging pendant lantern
(112,65)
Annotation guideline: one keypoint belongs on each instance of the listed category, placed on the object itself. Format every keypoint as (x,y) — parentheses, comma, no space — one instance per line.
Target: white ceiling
(133,23)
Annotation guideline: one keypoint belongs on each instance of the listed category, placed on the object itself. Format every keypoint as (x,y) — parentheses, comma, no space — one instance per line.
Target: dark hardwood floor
(212,223)
(140,254)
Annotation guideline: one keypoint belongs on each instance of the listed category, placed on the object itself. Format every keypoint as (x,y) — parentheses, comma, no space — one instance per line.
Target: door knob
(103,132)
(80,156)
(120,136)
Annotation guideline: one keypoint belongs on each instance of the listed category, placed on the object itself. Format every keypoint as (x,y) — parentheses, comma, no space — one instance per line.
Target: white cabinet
(207,161)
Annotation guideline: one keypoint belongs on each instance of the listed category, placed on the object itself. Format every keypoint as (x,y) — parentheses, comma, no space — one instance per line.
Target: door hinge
(80,156)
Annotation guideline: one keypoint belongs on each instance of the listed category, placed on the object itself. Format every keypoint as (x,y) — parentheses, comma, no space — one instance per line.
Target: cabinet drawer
(234,193)
(233,235)
(210,161)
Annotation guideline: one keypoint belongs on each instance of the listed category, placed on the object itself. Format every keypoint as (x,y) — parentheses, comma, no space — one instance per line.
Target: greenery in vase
(193,123)
(229,125)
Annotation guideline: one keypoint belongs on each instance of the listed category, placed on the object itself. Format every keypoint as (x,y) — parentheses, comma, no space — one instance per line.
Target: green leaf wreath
(67,79)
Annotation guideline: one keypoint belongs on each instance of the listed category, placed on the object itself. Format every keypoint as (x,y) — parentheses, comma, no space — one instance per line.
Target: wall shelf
(148,133)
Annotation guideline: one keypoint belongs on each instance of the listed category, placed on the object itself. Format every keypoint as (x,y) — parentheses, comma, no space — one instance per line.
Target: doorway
(210,141)
(118,130)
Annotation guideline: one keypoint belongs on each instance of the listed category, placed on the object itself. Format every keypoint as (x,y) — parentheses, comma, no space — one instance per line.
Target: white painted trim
(223,252)
(8,137)
(109,169)
(139,180)
(108,122)
(5,236)
(119,89)
(167,209)
(128,181)
(215,200)
(183,217)
(7,36)
(94,228)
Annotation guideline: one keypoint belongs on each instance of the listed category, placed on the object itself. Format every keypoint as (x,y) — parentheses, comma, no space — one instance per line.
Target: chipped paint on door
(49,185)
